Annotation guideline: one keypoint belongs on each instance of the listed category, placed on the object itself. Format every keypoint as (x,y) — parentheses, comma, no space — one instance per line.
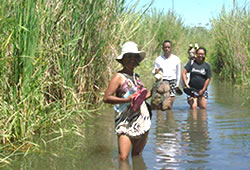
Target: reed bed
(231,45)
(54,58)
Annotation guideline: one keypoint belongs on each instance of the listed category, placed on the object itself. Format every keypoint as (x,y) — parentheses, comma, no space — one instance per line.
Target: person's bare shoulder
(117,79)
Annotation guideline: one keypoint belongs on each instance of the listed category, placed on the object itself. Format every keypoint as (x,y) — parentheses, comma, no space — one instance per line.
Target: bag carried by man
(161,99)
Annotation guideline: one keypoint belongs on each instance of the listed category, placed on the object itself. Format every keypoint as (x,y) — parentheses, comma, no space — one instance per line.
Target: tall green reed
(231,49)
(54,56)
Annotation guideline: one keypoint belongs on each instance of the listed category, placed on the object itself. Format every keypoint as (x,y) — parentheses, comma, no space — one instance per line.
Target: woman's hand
(130,98)
(201,92)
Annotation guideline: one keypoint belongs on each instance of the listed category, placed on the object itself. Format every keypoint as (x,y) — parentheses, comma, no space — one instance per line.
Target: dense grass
(231,56)
(57,57)
(50,51)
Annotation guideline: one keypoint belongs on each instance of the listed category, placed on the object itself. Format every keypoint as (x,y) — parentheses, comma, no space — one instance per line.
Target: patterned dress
(127,122)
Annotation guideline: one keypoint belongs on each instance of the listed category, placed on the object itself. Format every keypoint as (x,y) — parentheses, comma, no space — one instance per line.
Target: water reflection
(167,145)
(195,136)
(236,97)
(137,164)
(181,142)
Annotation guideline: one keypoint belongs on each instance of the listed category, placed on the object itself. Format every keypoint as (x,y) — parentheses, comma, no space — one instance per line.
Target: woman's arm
(204,87)
(184,77)
(148,95)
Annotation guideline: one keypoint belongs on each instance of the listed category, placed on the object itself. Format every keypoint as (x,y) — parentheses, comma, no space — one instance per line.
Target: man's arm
(157,66)
(178,73)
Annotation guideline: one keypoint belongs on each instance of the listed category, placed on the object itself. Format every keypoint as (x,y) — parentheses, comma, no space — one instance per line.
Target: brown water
(218,138)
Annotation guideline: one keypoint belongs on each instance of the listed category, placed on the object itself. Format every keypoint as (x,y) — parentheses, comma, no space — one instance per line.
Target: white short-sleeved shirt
(171,67)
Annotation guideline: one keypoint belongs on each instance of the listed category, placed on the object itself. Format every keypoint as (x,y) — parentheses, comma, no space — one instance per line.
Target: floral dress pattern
(127,122)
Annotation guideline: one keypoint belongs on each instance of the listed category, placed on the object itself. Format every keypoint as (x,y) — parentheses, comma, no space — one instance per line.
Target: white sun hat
(131,47)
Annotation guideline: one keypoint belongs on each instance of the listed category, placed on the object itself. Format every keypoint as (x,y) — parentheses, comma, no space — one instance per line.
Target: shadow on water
(218,138)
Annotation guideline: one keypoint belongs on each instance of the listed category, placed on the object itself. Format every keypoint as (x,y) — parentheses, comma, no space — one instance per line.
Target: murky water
(218,138)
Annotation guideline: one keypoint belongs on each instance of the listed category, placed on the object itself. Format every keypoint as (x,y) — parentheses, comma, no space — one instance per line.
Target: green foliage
(231,45)
(54,57)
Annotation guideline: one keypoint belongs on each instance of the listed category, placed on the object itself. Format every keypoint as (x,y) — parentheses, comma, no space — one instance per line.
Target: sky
(194,12)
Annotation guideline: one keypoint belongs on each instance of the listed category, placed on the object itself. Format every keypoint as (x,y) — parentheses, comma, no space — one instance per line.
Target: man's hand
(157,70)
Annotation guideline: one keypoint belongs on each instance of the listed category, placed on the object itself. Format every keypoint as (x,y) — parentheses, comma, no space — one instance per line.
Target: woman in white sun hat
(127,93)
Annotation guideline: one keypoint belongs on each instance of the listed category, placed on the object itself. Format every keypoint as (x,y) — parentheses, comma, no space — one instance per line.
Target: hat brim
(142,55)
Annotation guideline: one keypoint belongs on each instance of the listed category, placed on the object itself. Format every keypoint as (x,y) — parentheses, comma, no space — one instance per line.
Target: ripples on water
(218,138)
(182,142)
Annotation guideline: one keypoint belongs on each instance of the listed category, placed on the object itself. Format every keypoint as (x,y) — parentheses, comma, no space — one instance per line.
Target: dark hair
(202,48)
(166,41)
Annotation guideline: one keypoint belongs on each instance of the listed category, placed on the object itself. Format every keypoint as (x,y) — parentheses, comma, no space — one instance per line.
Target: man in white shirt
(171,68)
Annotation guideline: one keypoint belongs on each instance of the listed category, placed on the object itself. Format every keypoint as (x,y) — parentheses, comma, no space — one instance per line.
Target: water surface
(218,138)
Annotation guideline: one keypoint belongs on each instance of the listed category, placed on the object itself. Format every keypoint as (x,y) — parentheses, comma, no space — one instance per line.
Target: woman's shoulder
(119,75)
(118,78)
(189,63)
(206,63)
